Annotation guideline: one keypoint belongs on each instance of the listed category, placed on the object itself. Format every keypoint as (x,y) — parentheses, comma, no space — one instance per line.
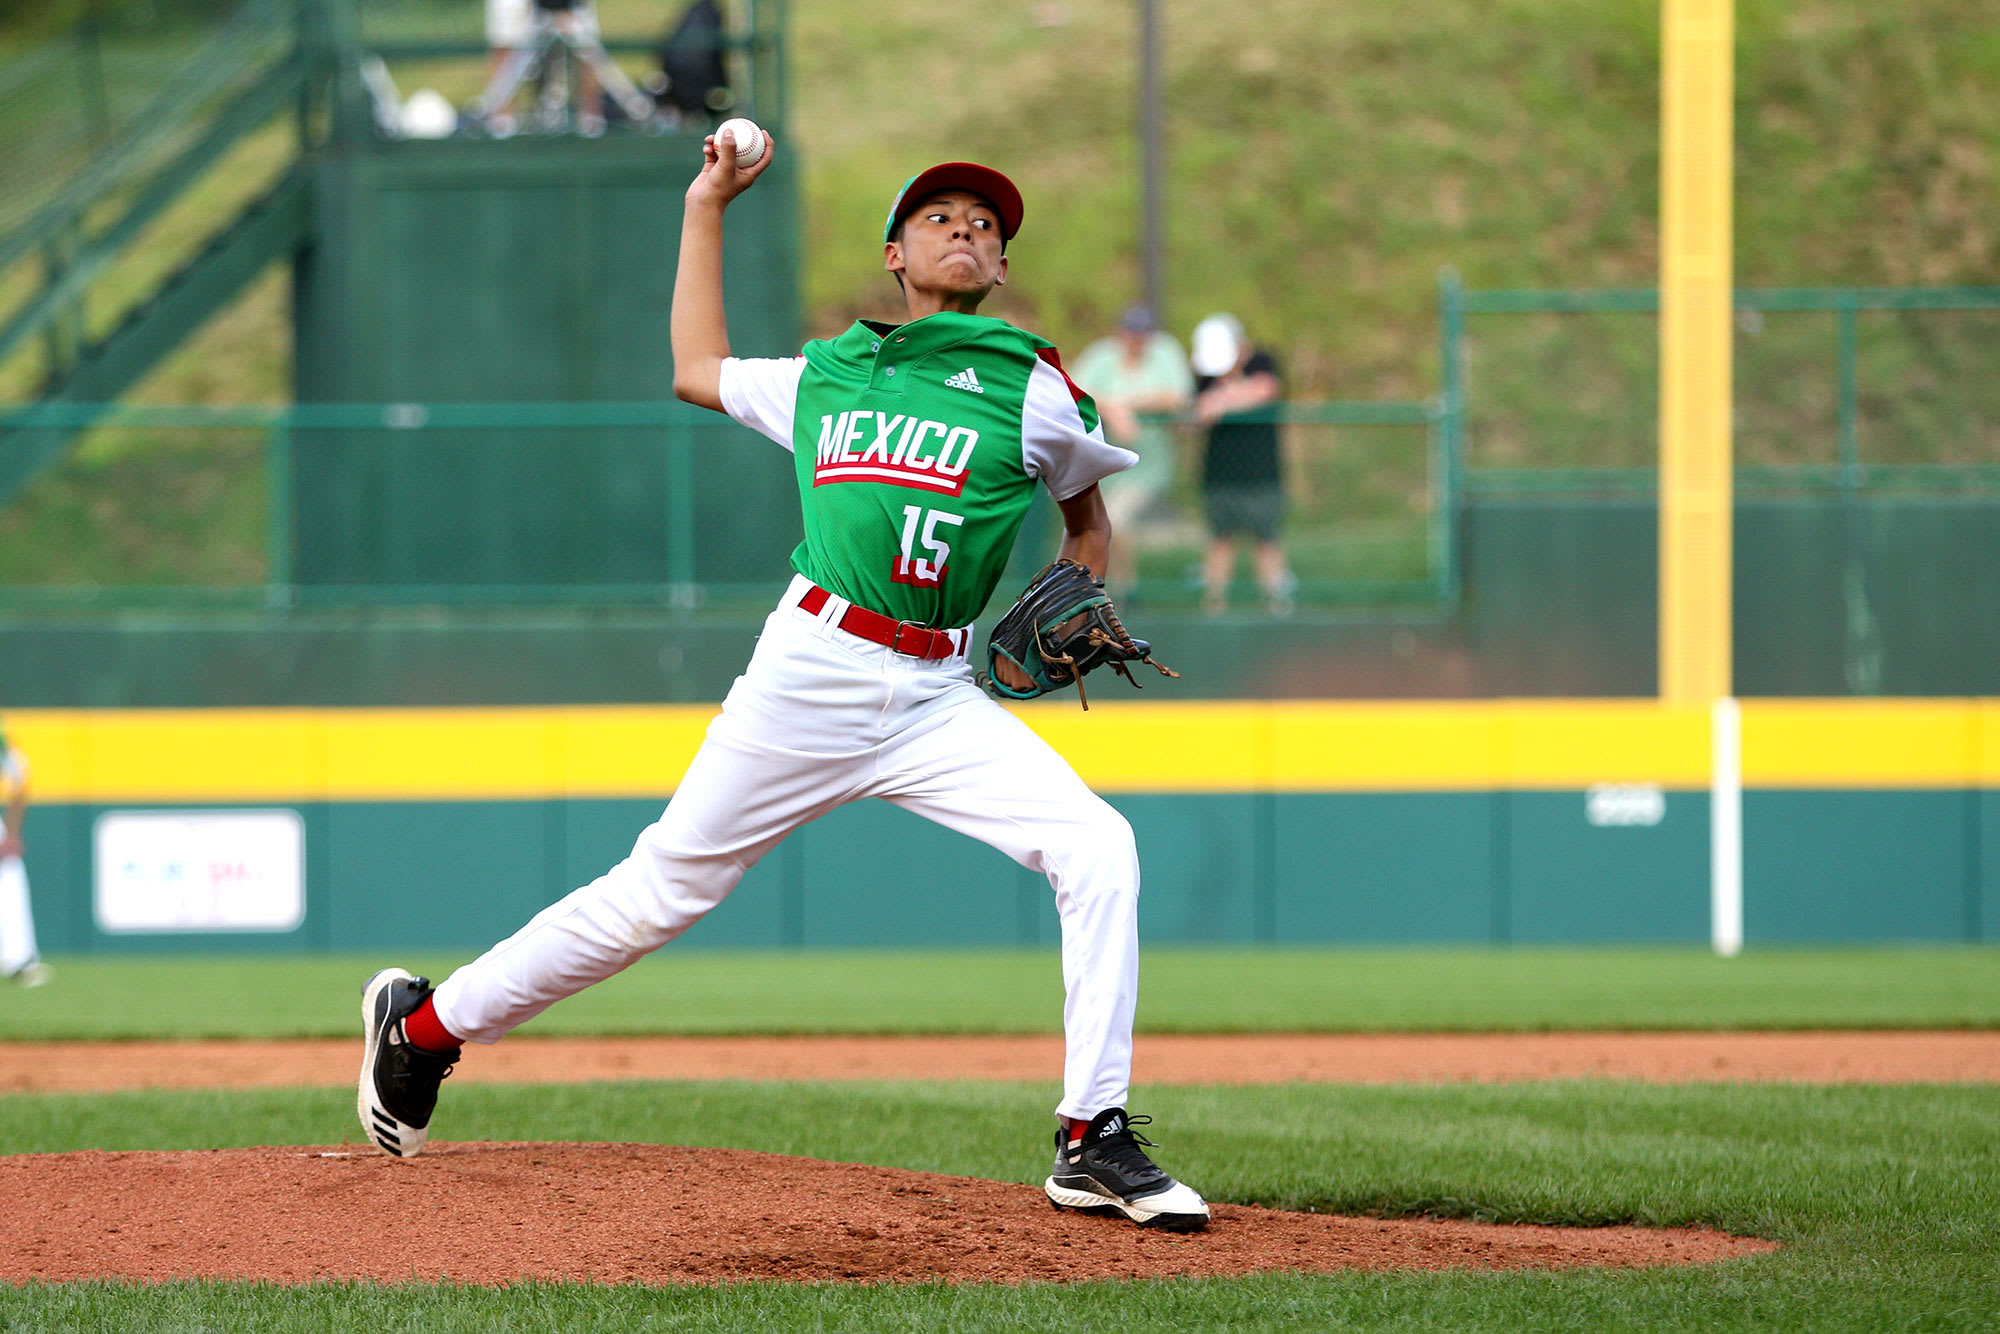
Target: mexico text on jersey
(901,449)
(917,450)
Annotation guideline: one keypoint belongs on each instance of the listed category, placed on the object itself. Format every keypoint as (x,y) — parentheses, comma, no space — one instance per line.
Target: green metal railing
(1310,429)
(1847,305)
(668,439)
(95,113)
(1359,489)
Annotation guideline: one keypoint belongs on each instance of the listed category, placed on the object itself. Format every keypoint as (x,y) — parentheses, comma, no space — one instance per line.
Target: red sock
(424,1030)
(1074,1127)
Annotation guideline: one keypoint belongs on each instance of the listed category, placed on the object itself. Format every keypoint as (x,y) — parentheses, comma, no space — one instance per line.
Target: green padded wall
(1325,868)
(529,270)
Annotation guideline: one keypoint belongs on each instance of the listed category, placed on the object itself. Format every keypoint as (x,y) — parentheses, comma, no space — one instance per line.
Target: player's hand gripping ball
(749,139)
(1061,629)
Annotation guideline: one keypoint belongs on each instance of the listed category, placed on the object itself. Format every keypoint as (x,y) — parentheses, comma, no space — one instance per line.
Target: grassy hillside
(1325,164)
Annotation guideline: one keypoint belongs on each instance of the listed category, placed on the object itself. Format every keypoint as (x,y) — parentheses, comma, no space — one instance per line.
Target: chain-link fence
(1847,387)
(602,504)
(456,504)
(1841,395)
(1350,499)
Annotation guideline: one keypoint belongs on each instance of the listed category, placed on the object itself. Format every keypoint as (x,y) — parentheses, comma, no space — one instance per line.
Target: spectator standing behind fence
(1138,370)
(1242,476)
(511,24)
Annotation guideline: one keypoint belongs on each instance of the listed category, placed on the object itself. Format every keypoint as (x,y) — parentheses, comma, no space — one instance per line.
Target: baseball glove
(1060,629)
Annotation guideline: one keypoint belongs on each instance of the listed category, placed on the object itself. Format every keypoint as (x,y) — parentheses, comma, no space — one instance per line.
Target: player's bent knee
(1100,848)
(1115,832)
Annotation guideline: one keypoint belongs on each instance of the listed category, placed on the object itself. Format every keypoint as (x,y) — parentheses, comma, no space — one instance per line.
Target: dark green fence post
(278,533)
(1443,543)
(1447,428)
(90,81)
(1862,635)
(63,335)
(780,76)
(1850,408)
(680,514)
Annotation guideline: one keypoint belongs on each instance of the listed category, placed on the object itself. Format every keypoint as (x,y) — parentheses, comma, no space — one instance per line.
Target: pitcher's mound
(643,1213)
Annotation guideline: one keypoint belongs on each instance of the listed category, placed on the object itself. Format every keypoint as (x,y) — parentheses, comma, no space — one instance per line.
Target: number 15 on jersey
(920,526)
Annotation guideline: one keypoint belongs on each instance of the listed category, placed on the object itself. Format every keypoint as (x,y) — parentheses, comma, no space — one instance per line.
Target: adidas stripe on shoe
(399,1080)
(1107,1172)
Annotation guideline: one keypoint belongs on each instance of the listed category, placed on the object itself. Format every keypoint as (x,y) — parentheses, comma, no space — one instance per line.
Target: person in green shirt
(917,446)
(1136,376)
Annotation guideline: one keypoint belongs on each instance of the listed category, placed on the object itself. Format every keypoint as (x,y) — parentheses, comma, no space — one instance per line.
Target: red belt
(907,637)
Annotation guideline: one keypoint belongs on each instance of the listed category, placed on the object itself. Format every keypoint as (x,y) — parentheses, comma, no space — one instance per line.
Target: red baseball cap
(985,182)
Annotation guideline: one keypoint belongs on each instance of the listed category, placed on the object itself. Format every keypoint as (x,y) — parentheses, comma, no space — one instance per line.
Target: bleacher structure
(463,268)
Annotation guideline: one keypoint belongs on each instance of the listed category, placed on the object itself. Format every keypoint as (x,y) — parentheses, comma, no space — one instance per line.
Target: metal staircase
(261,64)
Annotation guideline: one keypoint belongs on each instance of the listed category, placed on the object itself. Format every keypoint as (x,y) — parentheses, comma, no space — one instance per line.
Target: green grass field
(1884,1197)
(1884,1200)
(1016,991)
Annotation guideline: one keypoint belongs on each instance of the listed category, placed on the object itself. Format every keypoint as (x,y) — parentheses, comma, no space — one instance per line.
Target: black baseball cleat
(399,1080)
(1109,1173)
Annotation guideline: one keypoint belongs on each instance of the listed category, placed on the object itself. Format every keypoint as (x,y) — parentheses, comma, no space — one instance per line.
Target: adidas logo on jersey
(965,379)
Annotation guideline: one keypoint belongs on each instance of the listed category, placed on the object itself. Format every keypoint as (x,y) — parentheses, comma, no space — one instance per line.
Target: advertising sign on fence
(173,871)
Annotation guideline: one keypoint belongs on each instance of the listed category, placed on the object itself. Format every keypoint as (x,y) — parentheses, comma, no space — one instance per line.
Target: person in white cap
(1236,394)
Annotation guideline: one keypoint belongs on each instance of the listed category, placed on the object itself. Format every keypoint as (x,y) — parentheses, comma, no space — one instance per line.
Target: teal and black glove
(1061,628)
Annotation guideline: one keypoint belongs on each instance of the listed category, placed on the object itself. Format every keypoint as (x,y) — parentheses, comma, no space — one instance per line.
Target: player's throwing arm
(700,330)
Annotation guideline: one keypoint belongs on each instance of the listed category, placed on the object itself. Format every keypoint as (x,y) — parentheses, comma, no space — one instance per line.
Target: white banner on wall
(168,871)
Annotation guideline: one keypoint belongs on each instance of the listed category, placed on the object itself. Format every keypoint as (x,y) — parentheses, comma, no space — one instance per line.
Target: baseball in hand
(749,139)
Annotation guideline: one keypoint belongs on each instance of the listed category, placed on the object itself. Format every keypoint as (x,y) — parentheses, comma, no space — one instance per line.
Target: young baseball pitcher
(918,448)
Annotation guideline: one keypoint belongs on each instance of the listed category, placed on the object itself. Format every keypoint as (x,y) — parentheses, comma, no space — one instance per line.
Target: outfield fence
(1835,389)
(1844,396)
(591,504)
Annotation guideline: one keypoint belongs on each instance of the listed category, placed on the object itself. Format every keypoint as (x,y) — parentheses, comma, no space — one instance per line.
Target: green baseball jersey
(917,448)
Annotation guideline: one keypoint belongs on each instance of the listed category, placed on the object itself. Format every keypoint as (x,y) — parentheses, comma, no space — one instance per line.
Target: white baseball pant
(17,920)
(818,719)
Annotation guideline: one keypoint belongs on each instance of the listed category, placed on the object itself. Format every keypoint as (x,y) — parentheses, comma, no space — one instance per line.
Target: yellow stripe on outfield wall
(1127,746)
(1576,743)
(1988,726)
(1377,746)
(246,755)
(293,755)
(1866,743)
(180,756)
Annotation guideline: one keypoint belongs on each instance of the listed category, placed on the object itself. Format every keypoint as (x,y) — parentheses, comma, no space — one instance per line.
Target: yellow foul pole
(1698,52)
(1697,59)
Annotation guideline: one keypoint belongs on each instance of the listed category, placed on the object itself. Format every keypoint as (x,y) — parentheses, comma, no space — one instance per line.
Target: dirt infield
(640,1213)
(645,1213)
(1825,1057)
